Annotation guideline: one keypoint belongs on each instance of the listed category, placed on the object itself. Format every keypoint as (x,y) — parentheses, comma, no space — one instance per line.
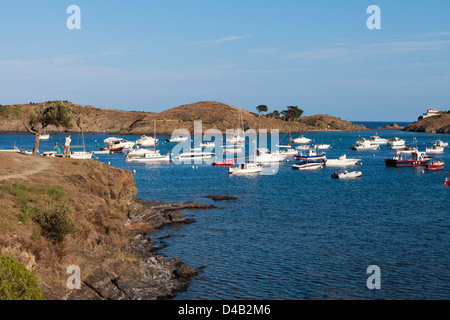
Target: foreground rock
(151,276)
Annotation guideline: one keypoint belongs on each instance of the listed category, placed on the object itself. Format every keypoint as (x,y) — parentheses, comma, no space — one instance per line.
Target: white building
(430,113)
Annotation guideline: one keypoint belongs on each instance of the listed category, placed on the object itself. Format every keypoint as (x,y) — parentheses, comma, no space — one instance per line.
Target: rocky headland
(435,124)
(98,225)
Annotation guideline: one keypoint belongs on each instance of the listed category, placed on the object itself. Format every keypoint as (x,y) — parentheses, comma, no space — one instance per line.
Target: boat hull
(225,163)
(405,163)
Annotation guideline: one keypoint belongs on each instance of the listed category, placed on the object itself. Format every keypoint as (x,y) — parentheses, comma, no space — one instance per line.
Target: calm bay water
(302,235)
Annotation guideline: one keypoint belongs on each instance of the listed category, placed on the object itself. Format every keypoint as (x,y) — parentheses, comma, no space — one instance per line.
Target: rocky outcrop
(436,124)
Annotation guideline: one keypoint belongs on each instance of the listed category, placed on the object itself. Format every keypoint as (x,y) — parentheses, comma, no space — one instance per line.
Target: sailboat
(246,168)
(146,155)
(82,155)
(238,137)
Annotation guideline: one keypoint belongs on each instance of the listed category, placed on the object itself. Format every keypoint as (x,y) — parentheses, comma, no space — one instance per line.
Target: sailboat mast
(82,134)
(154,127)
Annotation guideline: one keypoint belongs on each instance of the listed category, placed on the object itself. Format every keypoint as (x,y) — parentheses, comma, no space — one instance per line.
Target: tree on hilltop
(262,108)
(56,113)
(292,113)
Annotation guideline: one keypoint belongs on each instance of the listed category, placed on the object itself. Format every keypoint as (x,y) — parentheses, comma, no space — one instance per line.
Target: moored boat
(447,180)
(146,141)
(322,146)
(347,175)
(265,156)
(194,154)
(413,158)
(307,165)
(301,140)
(245,168)
(312,156)
(435,164)
(377,140)
(177,139)
(396,142)
(44,136)
(342,161)
(145,155)
(362,144)
(435,149)
(224,163)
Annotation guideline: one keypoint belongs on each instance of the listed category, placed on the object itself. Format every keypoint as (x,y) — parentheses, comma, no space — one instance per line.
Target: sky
(153,55)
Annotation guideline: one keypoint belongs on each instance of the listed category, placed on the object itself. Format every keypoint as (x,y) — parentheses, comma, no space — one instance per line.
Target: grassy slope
(95,198)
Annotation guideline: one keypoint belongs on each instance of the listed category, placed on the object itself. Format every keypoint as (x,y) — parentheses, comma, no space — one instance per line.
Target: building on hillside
(430,113)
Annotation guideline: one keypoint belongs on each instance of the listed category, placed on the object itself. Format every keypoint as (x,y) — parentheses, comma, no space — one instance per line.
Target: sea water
(298,234)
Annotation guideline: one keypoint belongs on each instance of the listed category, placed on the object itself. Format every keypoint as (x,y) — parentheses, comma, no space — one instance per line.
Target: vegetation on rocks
(16,282)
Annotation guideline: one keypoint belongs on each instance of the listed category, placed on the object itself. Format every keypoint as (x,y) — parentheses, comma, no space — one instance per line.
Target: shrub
(16,282)
(56,222)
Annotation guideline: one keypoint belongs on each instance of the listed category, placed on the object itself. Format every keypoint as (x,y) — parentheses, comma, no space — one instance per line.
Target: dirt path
(32,166)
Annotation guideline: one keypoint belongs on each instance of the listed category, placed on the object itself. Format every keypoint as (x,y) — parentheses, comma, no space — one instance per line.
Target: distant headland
(213,114)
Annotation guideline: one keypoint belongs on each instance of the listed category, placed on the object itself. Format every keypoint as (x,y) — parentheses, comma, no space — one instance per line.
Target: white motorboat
(377,140)
(287,150)
(342,161)
(145,155)
(102,152)
(347,175)
(44,136)
(440,143)
(146,141)
(307,165)
(396,143)
(302,147)
(322,146)
(245,168)
(194,154)
(177,139)
(312,156)
(110,140)
(435,149)
(81,155)
(363,144)
(301,140)
(263,155)
(118,143)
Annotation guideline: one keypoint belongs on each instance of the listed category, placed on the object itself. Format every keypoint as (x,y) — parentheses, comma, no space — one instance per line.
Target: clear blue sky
(153,55)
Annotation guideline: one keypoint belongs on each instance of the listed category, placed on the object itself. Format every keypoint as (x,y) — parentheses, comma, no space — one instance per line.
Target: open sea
(301,235)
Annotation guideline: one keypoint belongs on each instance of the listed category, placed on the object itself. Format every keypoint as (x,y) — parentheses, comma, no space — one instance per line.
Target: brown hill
(217,115)
(436,124)
(213,114)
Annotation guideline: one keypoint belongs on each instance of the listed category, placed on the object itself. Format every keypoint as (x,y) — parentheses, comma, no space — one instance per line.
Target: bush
(56,222)
(16,282)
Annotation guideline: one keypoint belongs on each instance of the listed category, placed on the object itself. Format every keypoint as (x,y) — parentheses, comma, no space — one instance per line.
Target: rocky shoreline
(152,276)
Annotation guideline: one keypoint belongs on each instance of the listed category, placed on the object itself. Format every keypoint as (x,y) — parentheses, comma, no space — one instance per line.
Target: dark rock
(221,198)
